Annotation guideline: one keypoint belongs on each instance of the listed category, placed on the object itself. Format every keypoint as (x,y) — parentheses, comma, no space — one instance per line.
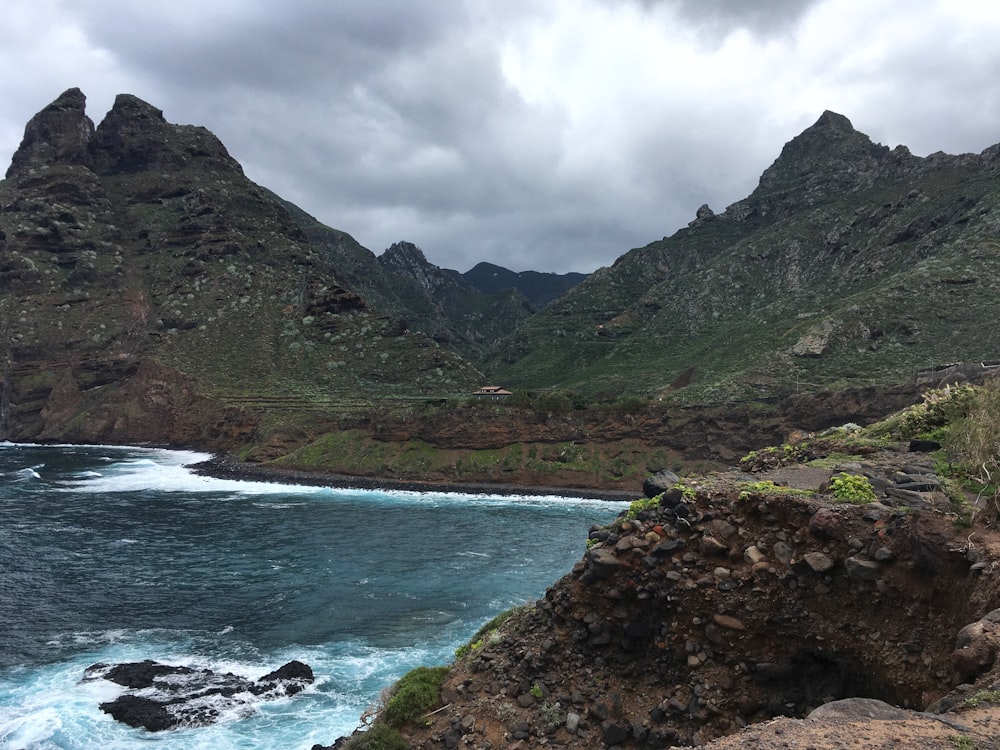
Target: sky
(547,135)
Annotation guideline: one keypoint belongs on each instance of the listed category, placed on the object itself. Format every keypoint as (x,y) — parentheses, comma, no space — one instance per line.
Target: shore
(223,467)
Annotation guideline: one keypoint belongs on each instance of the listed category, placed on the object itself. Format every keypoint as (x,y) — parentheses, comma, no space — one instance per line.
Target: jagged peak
(833,120)
(829,155)
(403,254)
(134,136)
(59,134)
(129,106)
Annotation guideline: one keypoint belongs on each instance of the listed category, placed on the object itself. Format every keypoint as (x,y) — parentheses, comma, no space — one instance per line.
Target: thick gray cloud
(549,136)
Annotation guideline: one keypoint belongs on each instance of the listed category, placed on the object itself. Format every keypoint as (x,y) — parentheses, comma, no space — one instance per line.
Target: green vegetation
(643,503)
(765,488)
(938,408)
(489,631)
(536,691)
(852,488)
(772,457)
(961,742)
(418,691)
(991,697)
(356,452)
(688,492)
(965,420)
(380,736)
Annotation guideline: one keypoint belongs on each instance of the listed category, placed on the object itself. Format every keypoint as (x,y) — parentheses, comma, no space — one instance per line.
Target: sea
(113,554)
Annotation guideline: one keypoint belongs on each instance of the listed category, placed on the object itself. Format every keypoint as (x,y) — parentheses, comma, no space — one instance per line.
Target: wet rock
(165,696)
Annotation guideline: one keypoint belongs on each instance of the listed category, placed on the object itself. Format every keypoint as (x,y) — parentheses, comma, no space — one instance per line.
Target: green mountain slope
(142,244)
(850,263)
(434,301)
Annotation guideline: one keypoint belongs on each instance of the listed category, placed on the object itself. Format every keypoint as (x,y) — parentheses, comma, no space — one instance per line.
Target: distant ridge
(540,288)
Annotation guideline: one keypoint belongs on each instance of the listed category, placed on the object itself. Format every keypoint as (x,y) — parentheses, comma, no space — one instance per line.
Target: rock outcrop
(162,696)
(733,601)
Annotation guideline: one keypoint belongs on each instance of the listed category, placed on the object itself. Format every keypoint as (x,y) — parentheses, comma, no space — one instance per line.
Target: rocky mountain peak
(825,159)
(134,137)
(404,256)
(408,260)
(59,134)
(833,121)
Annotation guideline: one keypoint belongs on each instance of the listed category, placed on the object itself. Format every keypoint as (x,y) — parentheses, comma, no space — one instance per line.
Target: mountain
(150,291)
(444,305)
(849,264)
(540,288)
(434,301)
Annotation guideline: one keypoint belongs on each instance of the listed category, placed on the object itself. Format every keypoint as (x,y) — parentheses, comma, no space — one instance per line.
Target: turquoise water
(117,554)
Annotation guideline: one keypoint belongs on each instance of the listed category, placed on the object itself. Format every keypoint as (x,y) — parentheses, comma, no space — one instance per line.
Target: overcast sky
(550,135)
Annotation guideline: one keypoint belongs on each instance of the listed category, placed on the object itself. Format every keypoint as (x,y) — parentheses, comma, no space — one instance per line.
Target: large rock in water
(162,696)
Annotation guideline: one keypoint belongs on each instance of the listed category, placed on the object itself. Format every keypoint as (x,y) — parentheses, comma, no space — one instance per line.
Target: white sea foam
(163,470)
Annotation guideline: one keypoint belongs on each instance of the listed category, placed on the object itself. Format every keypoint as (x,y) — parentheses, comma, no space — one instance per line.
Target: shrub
(974,440)
(938,408)
(852,488)
(643,503)
(379,737)
(417,691)
(489,631)
(752,490)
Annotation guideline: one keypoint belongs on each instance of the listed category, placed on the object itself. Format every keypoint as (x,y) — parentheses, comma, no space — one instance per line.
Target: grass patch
(417,692)
(766,488)
(380,736)
(991,697)
(489,631)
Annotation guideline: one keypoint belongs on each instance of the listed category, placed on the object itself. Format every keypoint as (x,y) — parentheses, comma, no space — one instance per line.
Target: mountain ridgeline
(849,264)
(150,291)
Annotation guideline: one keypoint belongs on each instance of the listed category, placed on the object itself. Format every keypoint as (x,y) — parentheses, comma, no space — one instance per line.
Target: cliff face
(731,602)
(140,247)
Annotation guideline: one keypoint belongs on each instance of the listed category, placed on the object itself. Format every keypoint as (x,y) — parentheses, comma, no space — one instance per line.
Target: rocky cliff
(732,599)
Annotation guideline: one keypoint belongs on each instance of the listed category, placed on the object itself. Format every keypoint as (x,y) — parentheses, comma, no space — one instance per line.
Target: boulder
(659,483)
(859,709)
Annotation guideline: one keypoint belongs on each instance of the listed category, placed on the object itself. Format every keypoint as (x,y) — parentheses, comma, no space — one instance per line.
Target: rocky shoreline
(223,467)
(741,600)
